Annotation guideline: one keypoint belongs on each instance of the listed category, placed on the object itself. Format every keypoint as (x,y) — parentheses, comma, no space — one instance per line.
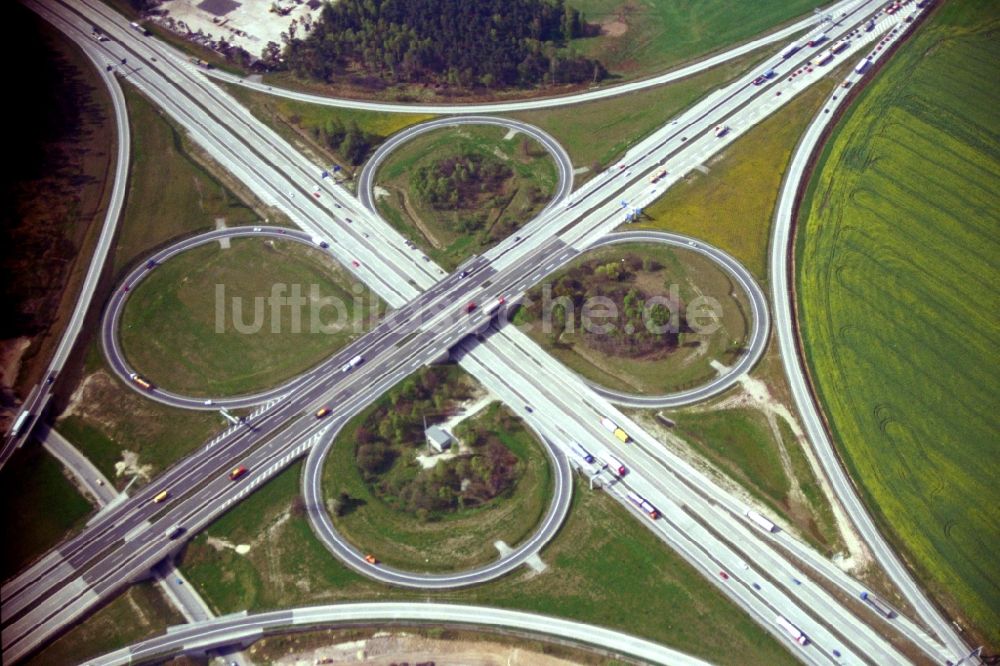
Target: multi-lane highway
(425,325)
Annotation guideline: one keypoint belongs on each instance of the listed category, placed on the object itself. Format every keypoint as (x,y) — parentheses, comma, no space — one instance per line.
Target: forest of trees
(460,181)
(637,328)
(388,439)
(349,141)
(487,43)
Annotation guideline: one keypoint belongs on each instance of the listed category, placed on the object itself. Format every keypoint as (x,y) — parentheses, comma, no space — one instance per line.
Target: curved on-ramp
(366,179)
(111,321)
(245,629)
(322,524)
(760,322)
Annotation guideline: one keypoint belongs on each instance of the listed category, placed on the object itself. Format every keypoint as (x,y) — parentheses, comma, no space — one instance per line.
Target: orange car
(370,559)
(323,412)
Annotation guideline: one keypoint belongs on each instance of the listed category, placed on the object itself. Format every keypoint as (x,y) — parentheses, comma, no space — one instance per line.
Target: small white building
(439,439)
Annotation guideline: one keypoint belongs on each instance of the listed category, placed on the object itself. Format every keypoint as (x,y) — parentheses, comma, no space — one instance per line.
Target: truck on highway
(138,28)
(489,309)
(19,422)
(817,40)
(616,466)
(790,51)
(760,521)
(840,46)
(140,381)
(174,531)
(643,505)
(862,66)
(353,363)
(721,130)
(657,175)
(200,62)
(822,59)
(792,630)
(613,428)
(161,496)
(883,608)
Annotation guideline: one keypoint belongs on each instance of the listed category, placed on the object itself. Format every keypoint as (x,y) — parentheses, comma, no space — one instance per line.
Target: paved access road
(39,397)
(546,102)
(249,628)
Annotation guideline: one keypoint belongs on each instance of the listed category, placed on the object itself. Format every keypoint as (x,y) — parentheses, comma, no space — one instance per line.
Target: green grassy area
(896,285)
(595,134)
(299,122)
(170,193)
(110,423)
(732,205)
(643,38)
(40,506)
(205,353)
(440,233)
(686,366)
(741,442)
(139,613)
(448,542)
(604,568)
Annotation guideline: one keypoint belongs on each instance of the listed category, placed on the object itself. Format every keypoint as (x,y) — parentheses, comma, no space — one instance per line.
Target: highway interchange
(700,521)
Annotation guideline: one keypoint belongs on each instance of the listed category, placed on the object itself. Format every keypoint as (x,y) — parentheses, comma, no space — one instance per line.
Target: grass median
(896,258)
(596,134)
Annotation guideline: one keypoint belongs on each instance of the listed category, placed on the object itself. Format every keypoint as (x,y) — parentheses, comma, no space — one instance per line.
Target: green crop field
(211,347)
(642,38)
(897,288)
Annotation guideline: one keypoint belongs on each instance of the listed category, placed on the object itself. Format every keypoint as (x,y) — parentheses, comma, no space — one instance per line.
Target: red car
(237,473)
(354,262)
(470,307)
(724,575)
